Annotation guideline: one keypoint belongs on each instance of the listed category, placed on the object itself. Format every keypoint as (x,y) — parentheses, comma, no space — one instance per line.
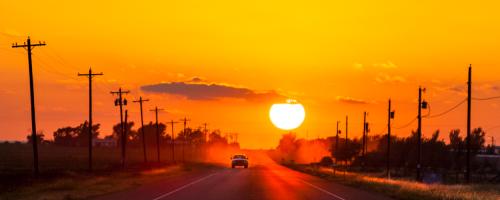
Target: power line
(487,98)
(447,111)
(407,124)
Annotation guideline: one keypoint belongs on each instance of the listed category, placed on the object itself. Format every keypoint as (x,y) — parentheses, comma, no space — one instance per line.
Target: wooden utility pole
(336,146)
(173,140)
(121,102)
(185,120)
(469,92)
(28,46)
(419,133)
(157,133)
(140,101)
(90,75)
(346,137)
(205,132)
(364,139)
(124,140)
(388,162)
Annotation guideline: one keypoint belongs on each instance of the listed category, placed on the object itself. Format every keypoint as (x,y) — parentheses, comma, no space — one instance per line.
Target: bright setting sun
(287,116)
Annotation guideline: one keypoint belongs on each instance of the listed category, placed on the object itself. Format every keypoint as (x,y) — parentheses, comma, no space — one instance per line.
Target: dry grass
(403,189)
(78,186)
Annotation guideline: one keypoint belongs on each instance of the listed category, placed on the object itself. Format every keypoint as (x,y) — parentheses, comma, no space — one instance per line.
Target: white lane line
(183,187)
(322,190)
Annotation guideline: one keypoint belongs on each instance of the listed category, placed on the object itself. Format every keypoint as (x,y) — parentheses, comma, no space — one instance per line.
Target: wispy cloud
(199,89)
(351,100)
(386,78)
(387,65)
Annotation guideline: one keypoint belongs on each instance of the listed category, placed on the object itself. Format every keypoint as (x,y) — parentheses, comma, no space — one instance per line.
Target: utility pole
(419,133)
(389,117)
(185,120)
(205,132)
(157,133)
(120,102)
(173,140)
(469,92)
(140,101)
(28,46)
(124,140)
(336,146)
(345,148)
(364,139)
(90,75)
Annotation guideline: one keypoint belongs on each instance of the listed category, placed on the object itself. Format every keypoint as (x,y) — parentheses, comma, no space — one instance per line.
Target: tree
(287,143)
(347,150)
(150,133)
(39,137)
(65,136)
(75,136)
(82,133)
(117,132)
(326,161)
(477,140)
(216,138)
(196,136)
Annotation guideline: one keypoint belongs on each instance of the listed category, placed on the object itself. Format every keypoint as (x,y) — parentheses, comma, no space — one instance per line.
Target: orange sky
(336,58)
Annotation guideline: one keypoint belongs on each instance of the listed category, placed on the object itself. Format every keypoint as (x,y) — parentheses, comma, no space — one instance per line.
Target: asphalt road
(263,180)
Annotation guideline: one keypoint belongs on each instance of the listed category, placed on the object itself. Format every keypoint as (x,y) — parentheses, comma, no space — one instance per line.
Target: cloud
(386,65)
(386,78)
(197,79)
(197,89)
(351,100)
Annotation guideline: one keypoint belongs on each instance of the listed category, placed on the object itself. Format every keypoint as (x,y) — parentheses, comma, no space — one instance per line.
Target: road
(263,180)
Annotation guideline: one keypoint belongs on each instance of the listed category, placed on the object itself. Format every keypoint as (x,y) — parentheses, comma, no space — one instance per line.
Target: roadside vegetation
(443,164)
(404,189)
(85,185)
(63,161)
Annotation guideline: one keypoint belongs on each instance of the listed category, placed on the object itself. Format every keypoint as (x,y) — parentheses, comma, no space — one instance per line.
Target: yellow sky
(319,52)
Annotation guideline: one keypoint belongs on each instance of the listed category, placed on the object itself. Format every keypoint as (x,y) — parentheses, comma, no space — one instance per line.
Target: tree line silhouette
(77,136)
(437,155)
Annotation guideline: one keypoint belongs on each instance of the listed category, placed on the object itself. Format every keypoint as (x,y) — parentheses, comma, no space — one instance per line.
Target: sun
(287,116)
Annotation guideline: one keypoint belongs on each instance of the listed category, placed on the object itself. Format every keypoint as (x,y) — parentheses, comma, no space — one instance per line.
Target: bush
(326,161)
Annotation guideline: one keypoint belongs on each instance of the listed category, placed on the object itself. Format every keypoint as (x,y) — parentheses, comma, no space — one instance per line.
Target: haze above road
(263,180)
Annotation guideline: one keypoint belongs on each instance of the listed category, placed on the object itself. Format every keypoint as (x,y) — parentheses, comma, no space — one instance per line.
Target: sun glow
(287,116)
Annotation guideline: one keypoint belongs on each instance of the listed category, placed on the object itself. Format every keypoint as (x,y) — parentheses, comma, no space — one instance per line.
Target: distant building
(106,142)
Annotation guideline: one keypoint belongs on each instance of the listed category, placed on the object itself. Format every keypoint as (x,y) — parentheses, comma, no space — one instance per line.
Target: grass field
(18,158)
(402,189)
(64,170)
(56,162)
(83,186)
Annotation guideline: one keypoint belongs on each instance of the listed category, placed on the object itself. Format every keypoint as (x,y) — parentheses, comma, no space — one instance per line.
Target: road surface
(263,180)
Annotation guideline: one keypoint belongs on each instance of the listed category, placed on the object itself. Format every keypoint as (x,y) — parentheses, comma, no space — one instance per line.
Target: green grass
(403,189)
